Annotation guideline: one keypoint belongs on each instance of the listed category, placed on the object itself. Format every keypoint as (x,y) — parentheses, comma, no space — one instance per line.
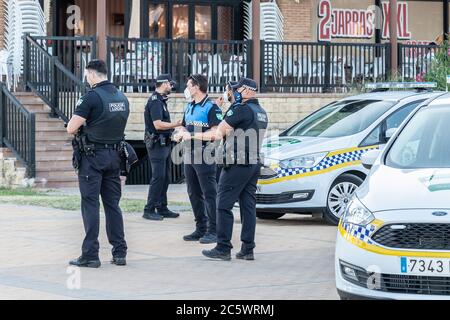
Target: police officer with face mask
(158,131)
(103,113)
(244,128)
(201,115)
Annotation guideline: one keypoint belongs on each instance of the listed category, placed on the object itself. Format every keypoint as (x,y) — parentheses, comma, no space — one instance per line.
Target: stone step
(32,102)
(53,147)
(53,165)
(57,183)
(50,126)
(53,174)
(37,108)
(53,156)
(53,128)
(44,136)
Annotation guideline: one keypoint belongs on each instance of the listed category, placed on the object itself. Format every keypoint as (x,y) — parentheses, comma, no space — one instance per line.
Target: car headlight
(307,161)
(356,213)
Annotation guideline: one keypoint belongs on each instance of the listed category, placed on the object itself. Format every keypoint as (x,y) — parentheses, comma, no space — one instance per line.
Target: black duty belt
(98,146)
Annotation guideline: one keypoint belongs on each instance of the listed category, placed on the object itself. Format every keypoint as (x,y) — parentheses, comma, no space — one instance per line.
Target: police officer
(103,112)
(158,131)
(201,115)
(246,118)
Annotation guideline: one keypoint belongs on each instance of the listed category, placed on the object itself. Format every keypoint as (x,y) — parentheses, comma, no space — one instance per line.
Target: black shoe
(153,216)
(166,213)
(84,263)
(119,261)
(216,254)
(208,238)
(245,256)
(195,236)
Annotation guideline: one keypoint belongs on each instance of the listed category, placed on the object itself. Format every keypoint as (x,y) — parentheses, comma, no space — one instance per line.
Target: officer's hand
(177,137)
(178,123)
(186,136)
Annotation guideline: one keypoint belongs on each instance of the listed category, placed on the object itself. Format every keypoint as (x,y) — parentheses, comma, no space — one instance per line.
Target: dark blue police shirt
(156,109)
(239,116)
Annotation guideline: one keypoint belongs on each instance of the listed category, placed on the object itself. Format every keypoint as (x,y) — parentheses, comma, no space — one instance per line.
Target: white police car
(314,166)
(394,239)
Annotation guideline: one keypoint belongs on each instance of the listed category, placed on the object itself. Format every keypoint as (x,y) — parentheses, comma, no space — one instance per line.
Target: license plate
(425,266)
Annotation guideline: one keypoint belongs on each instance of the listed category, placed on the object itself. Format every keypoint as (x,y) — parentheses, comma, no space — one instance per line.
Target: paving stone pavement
(294,259)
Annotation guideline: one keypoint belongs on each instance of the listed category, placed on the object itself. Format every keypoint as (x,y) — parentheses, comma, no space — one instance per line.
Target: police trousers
(99,175)
(237,183)
(159,158)
(202,190)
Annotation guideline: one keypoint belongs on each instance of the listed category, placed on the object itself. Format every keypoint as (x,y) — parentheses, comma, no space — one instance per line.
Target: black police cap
(246,83)
(166,77)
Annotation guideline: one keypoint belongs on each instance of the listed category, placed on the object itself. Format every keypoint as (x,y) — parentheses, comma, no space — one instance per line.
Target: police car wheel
(339,196)
(269,215)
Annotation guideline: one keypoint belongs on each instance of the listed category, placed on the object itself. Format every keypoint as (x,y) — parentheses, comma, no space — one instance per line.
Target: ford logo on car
(439,214)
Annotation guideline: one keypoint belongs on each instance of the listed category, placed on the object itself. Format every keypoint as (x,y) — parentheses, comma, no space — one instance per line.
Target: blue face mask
(237,97)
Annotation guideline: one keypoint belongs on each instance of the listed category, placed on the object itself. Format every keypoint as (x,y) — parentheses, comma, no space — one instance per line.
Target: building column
(393,35)
(256,37)
(101,28)
(445,15)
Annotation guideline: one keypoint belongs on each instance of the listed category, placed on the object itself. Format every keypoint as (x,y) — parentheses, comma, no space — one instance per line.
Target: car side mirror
(368,159)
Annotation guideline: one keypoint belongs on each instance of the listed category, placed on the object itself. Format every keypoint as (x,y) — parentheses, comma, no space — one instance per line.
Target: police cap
(166,77)
(246,83)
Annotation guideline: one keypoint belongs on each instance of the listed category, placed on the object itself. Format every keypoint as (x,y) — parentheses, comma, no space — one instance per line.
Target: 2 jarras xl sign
(360,24)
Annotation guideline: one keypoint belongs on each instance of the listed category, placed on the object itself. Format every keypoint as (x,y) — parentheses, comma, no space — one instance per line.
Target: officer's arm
(75,124)
(160,125)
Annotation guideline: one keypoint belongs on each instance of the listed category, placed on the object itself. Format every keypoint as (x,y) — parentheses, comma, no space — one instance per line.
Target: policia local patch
(117,107)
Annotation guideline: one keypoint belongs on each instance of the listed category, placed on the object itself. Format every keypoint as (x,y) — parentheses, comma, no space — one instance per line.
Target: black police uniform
(239,179)
(201,178)
(158,148)
(106,111)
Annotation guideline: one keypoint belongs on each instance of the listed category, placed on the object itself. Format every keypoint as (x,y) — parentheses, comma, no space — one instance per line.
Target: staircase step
(51,175)
(32,102)
(53,127)
(53,147)
(52,137)
(57,183)
(53,155)
(53,165)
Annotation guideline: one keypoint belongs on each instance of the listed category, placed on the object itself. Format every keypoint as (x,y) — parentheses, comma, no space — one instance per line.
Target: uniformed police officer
(159,128)
(246,118)
(103,112)
(201,115)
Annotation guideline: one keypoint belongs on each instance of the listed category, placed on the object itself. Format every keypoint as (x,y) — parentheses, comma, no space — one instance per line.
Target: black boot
(216,254)
(85,263)
(152,215)
(166,213)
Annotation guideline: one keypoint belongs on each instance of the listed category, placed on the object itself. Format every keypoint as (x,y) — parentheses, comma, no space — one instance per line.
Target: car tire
(344,186)
(269,215)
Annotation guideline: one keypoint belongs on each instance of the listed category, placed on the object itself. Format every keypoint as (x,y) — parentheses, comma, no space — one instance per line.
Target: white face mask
(187,95)
(225,96)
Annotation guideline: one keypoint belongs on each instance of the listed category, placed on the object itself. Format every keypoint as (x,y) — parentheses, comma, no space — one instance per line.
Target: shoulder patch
(230,113)
(154,97)
(80,101)
(219,116)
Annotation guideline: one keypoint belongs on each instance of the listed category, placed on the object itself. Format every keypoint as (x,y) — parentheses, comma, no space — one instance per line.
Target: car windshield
(340,119)
(424,142)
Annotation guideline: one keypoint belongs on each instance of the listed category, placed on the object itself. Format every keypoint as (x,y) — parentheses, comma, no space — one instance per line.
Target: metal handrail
(18,134)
